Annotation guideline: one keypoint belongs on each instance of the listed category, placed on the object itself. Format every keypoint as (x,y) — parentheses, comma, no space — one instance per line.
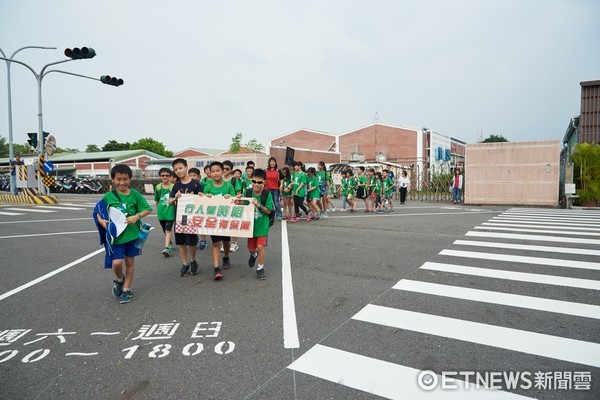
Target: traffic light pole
(13,178)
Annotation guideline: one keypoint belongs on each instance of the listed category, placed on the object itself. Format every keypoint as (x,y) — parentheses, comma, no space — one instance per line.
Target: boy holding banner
(217,186)
(258,241)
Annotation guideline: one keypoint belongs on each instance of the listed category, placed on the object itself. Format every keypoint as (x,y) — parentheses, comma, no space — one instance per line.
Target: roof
(103,155)
(305,130)
(211,152)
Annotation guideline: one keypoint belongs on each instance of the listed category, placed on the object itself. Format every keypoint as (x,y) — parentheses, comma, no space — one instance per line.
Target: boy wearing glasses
(258,241)
(164,210)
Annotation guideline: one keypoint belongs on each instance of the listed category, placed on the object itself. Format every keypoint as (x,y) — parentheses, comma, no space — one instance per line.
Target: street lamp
(13,178)
(75,54)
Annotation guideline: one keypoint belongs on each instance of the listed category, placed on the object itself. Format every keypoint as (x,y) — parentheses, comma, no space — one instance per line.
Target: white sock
(254,255)
(259,267)
(126,289)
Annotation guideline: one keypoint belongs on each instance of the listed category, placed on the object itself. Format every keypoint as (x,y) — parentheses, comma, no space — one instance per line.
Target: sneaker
(367,210)
(125,297)
(226,263)
(279,218)
(234,247)
(166,252)
(324,215)
(185,270)
(117,288)
(218,274)
(294,220)
(202,245)
(252,260)
(194,267)
(308,218)
(260,274)
(317,217)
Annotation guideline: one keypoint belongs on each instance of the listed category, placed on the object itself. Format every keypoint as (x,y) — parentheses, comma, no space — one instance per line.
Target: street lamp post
(13,178)
(74,54)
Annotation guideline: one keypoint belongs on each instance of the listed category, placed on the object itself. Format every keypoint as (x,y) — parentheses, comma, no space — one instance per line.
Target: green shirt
(313,183)
(388,186)
(286,183)
(129,204)
(164,210)
(261,220)
(225,188)
(205,180)
(352,185)
(362,181)
(299,178)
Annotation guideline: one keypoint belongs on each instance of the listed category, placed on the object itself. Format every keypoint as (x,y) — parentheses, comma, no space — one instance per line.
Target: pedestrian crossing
(45,209)
(481,300)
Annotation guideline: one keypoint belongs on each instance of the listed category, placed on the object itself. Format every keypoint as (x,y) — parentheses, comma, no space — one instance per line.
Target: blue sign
(48,167)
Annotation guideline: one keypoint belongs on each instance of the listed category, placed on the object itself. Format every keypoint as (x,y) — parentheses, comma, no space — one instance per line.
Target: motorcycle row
(64,184)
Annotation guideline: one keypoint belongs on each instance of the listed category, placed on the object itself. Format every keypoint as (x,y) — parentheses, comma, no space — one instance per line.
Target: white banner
(215,215)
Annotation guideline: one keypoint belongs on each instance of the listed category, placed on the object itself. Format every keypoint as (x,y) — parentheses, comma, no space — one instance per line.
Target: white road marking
(290,327)
(49,275)
(541,226)
(559,348)
(513,276)
(539,238)
(546,249)
(31,209)
(81,354)
(10,213)
(506,299)
(371,215)
(501,218)
(494,228)
(521,259)
(46,234)
(63,208)
(382,378)
(549,218)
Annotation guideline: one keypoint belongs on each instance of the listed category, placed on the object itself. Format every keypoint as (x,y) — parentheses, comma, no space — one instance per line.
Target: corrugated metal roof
(103,155)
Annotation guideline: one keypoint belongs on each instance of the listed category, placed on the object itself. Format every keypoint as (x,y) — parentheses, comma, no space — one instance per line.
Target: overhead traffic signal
(80,53)
(111,80)
(33,139)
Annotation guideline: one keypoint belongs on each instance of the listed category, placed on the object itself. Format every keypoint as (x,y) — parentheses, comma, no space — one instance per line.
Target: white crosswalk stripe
(553,253)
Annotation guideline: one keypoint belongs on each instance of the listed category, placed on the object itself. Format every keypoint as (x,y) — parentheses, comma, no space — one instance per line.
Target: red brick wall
(189,153)
(306,140)
(397,144)
(305,156)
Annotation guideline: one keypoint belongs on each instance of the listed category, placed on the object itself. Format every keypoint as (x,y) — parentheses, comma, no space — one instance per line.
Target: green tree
(236,143)
(152,145)
(3,147)
(586,157)
(254,145)
(66,150)
(494,139)
(113,145)
(22,148)
(92,148)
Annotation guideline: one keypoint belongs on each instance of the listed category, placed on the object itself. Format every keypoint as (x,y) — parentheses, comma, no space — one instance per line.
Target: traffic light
(111,80)
(45,136)
(33,137)
(78,54)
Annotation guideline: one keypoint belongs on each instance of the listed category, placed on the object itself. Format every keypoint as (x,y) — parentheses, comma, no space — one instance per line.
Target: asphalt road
(377,299)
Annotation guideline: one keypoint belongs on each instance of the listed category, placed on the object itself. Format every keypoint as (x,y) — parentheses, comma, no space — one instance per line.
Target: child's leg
(183,253)
(168,235)
(216,253)
(314,207)
(117,267)
(262,253)
(129,269)
(227,247)
(192,252)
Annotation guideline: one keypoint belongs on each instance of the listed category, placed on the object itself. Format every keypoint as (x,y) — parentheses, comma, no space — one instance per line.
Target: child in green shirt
(164,210)
(219,187)
(134,206)
(258,241)
(312,184)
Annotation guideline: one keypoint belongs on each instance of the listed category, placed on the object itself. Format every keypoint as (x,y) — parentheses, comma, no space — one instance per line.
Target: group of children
(220,181)
(300,189)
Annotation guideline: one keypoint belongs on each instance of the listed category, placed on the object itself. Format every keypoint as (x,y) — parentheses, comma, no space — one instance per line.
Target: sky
(197,72)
